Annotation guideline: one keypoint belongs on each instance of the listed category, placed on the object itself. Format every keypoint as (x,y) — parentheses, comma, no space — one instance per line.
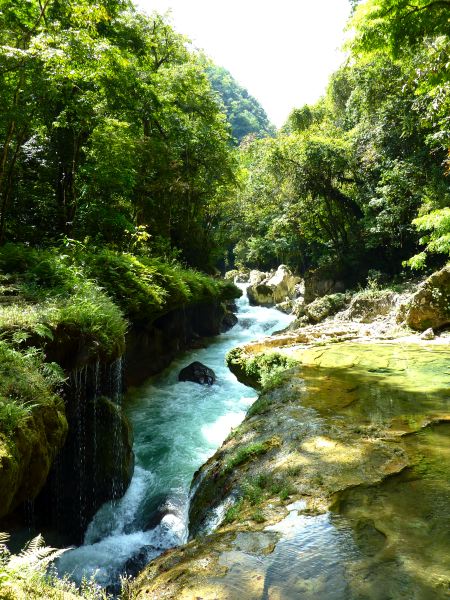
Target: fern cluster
(28,575)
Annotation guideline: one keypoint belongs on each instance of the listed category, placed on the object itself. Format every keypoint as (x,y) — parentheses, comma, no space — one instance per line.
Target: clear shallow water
(177,426)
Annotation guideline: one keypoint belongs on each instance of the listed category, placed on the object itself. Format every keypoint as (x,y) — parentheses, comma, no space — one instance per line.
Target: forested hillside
(359,180)
(244,112)
(109,131)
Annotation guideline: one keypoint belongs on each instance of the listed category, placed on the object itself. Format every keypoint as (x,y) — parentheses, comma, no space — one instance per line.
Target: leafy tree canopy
(359,180)
(108,125)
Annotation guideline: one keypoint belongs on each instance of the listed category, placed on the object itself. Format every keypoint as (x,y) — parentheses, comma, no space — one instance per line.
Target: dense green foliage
(92,294)
(244,112)
(27,575)
(113,132)
(359,180)
(109,131)
(25,381)
(47,294)
(146,288)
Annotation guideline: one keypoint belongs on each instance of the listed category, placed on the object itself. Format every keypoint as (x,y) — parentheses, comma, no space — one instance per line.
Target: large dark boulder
(198,373)
(229,321)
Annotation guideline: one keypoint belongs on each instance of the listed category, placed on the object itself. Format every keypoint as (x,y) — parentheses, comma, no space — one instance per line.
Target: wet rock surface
(314,492)
(229,320)
(26,463)
(96,462)
(430,305)
(197,373)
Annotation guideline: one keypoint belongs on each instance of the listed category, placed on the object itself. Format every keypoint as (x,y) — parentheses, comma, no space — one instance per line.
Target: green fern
(35,556)
(27,574)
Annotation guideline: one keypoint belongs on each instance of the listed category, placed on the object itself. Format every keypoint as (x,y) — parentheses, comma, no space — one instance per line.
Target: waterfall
(116,375)
(96,393)
(79,481)
(78,385)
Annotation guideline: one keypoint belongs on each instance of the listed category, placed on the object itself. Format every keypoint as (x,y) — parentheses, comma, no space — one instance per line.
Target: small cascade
(96,463)
(96,384)
(29,514)
(78,383)
(116,377)
(177,426)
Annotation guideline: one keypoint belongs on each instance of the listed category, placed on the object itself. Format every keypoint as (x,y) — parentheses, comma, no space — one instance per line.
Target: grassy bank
(61,308)
(95,295)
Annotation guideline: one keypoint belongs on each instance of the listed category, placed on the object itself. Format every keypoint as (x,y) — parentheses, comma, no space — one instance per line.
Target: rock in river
(270,289)
(429,307)
(198,373)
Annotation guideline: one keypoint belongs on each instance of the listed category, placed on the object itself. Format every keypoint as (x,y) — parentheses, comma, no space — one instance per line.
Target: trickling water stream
(177,426)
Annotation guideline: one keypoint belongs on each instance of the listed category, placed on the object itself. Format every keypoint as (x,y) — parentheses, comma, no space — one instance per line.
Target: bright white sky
(281,51)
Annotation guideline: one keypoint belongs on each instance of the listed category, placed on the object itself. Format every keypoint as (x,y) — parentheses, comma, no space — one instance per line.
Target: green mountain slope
(244,112)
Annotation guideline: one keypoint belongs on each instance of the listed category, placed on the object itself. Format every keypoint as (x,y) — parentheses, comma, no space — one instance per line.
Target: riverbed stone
(324,307)
(229,321)
(274,289)
(197,373)
(430,305)
(256,277)
(428,334)
(369,305)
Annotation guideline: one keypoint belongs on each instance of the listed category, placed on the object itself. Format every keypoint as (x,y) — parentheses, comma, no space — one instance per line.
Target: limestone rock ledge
(346,423)
(430,305)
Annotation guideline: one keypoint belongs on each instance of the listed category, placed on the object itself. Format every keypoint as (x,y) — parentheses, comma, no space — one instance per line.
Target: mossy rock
(259,370)
(430,305)
(218,477)
(27,454)
(369,305)
(33,424)
(324,307)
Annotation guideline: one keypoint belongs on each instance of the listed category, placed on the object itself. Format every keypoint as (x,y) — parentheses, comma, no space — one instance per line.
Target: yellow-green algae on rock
(355,487)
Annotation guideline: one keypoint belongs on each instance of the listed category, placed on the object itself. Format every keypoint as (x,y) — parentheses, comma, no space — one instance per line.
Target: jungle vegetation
(110,132)
(359,181)
(244,113)
(114,133)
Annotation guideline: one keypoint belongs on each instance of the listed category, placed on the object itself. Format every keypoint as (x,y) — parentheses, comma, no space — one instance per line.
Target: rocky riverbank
(340,470)
(65,442)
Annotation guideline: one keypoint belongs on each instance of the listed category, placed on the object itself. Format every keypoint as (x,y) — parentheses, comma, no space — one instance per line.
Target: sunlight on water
(177,427)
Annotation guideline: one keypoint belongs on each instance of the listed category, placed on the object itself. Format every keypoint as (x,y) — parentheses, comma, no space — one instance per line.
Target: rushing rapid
(177,426)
